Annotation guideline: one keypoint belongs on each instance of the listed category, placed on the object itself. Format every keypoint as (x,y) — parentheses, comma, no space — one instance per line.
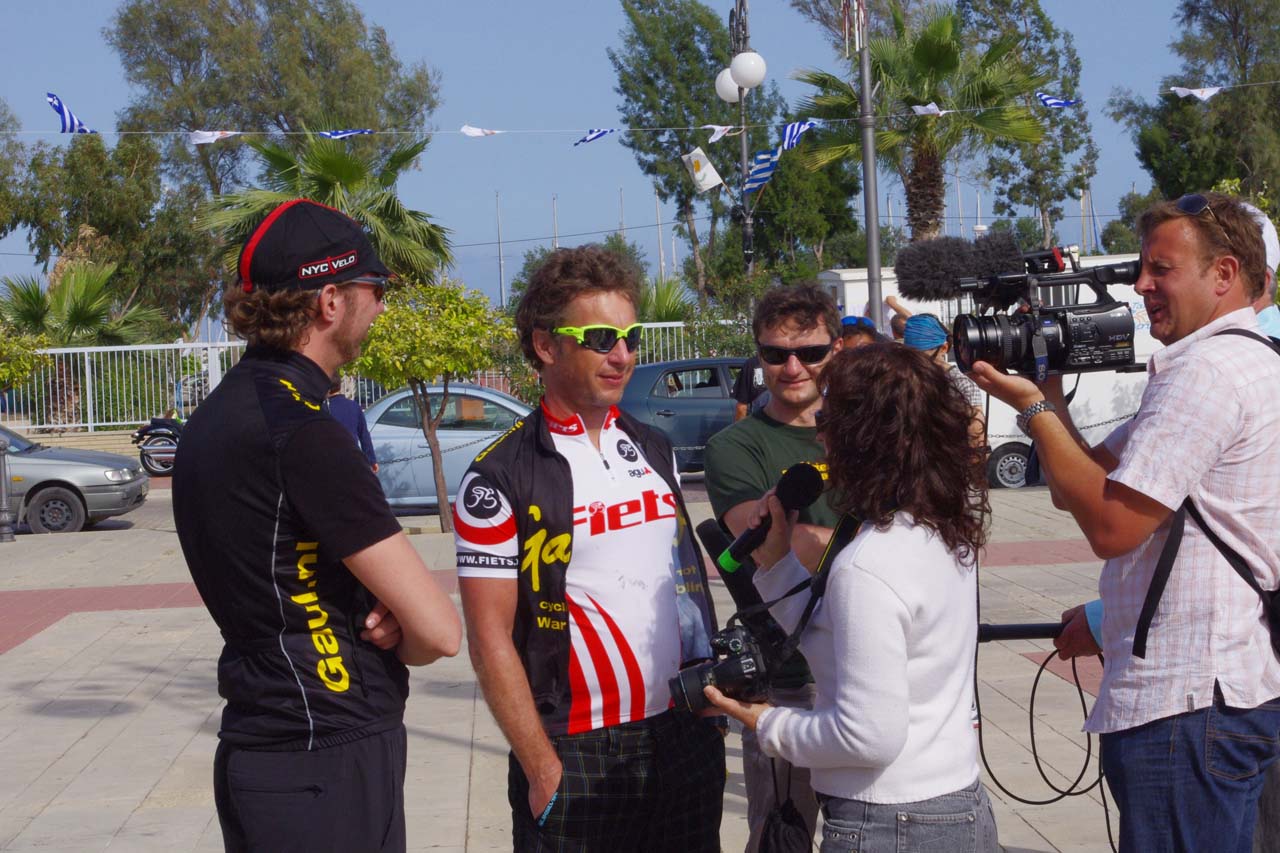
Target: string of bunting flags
(71,123)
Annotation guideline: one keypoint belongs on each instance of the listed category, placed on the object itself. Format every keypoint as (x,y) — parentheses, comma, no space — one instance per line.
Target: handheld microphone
(1029,631)
(800,486)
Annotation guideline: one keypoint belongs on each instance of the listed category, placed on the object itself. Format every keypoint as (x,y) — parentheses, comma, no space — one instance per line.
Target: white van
(1101,400)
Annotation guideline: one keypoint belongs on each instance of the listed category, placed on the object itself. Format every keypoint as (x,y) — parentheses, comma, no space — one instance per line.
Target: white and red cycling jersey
(621,579)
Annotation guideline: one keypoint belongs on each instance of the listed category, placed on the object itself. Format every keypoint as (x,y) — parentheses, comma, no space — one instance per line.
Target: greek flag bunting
(1201,94)
(762,169)
(595,133)
(791,133)
(70,124)
(1055,103)
(343,134)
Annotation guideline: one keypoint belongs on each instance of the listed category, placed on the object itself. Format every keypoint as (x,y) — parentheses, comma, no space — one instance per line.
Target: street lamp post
(745,72)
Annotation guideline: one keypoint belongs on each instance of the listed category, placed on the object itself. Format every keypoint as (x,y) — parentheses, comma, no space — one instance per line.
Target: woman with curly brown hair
(890,741)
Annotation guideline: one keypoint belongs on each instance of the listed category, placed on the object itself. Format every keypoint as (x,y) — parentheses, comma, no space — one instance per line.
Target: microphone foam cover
(997,253)
(928,270)
(800,486)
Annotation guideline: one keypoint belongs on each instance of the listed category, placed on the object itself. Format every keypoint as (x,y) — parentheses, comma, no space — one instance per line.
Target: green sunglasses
(601,338)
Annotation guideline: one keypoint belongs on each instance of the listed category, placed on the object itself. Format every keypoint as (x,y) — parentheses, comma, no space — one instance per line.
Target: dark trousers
(652,785)
(1191,782)
(346,797)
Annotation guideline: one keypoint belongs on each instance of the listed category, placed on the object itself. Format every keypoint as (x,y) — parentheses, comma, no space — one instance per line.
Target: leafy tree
(361,186)
(432,333)
(670,55)
(928,63)
(260,65)
(801,207)
(1038,175)
(1027,232)
(105,205)
(12,157)
(1120,236)
(1188,146)
(20,357)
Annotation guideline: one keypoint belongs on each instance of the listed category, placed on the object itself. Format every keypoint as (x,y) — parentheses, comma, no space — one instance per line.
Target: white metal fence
(97,388)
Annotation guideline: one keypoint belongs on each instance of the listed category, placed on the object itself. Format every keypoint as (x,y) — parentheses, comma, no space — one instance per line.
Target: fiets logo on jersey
(601,518)
(336,264)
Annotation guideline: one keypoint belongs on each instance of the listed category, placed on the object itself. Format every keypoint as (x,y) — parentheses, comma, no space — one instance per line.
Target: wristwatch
(1024,419)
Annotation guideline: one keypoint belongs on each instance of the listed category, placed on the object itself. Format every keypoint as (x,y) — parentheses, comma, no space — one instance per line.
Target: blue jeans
(1191,782)
(959,822)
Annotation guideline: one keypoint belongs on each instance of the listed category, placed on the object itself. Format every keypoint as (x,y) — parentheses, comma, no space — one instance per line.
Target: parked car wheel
(157,466)
(55,510)
(1007,467)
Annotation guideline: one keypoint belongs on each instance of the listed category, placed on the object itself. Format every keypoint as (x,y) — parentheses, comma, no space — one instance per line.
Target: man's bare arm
(490,608)
(397,577)
(809,541)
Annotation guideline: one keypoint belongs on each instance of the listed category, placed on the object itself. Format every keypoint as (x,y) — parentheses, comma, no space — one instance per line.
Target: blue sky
(542,67)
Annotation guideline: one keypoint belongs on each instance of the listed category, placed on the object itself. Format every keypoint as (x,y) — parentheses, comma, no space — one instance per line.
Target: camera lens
(1001,340)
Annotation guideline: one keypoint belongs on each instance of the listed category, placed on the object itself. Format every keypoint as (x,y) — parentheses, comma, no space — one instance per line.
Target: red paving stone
(1088,668)
(26,612)
(1039,552)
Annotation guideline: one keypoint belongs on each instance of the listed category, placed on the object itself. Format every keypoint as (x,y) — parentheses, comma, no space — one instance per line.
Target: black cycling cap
(303,245)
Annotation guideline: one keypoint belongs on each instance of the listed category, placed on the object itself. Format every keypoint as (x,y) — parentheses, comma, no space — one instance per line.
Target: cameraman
(890,742)
(1188,729)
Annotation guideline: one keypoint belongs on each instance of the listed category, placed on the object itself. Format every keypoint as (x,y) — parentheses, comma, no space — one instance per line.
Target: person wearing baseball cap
(1265,305)
(320,598)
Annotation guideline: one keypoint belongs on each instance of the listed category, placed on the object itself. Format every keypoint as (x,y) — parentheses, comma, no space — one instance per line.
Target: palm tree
(327,171)
(916,67)
(78,309)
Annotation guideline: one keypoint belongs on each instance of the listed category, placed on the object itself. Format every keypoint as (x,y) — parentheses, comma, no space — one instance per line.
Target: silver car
(474,416)
(61,489)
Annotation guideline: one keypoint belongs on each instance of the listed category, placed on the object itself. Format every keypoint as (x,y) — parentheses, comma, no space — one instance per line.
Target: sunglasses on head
(858,323)
(601,338)
(1194,204)
(779,355)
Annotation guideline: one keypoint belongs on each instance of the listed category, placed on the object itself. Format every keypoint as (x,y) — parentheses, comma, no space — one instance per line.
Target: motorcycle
(158,444)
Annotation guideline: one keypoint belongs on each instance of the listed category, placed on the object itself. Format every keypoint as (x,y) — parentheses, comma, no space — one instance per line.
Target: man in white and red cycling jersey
(584,590)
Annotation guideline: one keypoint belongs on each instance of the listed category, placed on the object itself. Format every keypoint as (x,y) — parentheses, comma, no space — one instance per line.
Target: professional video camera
(1037,339)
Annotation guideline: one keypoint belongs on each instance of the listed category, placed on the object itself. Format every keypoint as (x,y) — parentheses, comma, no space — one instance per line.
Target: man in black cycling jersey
(320,597)
(584,590)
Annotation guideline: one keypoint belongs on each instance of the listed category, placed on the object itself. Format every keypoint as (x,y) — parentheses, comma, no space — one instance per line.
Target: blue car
(689,400)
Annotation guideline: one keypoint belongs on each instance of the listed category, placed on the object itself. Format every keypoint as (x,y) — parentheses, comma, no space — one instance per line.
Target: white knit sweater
(891,649)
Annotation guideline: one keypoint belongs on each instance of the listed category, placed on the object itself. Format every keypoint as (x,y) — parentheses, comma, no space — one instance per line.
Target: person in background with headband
(1189,706)
(584,590)
(925,332)
(320,597)
(797,330)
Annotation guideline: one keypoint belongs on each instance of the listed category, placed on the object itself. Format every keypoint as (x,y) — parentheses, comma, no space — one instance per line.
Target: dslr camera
(1040,340)
(741,669)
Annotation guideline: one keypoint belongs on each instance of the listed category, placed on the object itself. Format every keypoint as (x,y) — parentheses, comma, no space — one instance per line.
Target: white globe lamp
(747,69)
(726,88)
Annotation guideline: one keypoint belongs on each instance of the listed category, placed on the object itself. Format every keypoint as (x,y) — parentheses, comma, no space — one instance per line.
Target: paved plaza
(109,709)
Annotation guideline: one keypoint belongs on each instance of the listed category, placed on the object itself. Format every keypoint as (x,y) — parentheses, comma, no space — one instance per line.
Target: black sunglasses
(601,338)
(807,355)
(1194,204)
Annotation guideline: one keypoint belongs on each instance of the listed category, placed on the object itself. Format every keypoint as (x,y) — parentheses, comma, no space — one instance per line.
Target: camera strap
(1164,565)
(845,530)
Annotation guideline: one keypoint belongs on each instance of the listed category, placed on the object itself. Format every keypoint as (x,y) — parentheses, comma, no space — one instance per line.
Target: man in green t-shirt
(797,328)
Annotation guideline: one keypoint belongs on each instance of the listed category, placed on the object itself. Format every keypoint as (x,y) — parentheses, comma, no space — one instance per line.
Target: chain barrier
(427,455)
(1120,419)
